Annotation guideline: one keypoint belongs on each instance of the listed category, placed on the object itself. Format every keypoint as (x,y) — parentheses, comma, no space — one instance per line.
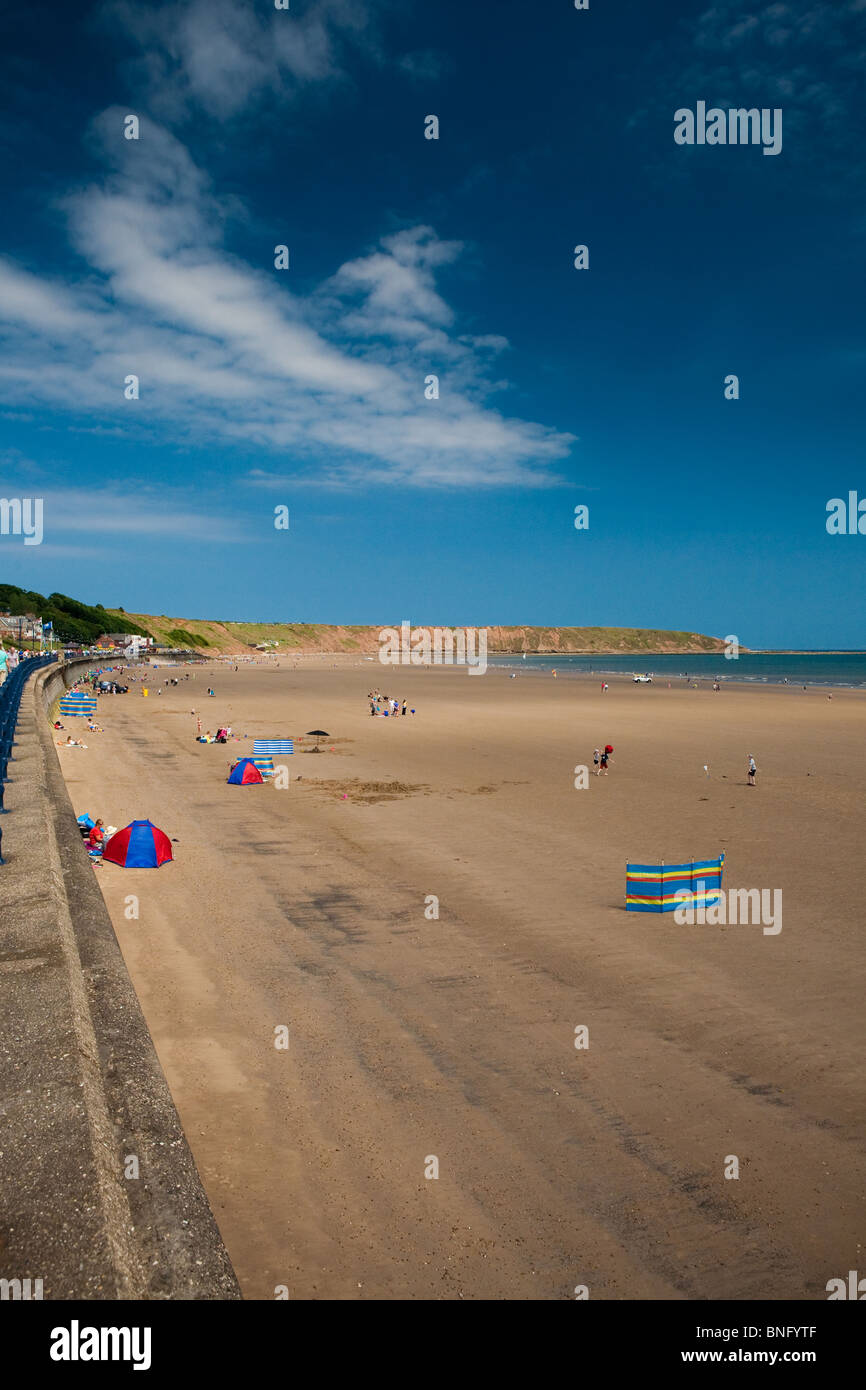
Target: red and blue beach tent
(244,773)
(138,845)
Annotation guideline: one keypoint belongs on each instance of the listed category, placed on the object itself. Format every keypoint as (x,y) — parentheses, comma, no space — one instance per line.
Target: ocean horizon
(843,669)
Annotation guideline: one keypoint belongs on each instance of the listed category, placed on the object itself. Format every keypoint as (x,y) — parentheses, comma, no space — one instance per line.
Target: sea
(845,669)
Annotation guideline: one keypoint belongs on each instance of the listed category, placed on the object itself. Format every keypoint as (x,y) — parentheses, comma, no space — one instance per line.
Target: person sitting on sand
(96,837)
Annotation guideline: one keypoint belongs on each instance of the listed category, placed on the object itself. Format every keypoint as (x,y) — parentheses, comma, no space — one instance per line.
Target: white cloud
(223,56)
(425,65)
(114,511)
(224,351)
(806,59)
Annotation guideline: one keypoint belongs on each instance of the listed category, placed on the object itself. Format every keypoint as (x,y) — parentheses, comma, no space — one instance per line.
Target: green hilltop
(73,621)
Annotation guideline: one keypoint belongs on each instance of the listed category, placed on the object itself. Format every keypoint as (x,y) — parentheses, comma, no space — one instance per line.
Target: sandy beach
(413,1038)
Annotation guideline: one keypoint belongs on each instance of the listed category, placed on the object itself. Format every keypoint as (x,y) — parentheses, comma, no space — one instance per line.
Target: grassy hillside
(85,623)
(75,621)
(227,638)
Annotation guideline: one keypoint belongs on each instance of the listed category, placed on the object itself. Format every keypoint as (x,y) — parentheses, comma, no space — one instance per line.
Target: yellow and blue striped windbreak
(654,887)
(76,702)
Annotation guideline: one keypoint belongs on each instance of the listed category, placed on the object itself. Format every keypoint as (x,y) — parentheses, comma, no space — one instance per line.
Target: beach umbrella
(139,845)
(245,774)
(317,734)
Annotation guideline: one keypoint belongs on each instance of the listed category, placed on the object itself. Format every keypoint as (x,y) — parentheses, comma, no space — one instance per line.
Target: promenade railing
(10,702)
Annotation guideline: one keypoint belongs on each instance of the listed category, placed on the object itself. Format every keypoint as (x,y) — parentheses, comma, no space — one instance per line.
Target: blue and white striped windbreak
(269,747)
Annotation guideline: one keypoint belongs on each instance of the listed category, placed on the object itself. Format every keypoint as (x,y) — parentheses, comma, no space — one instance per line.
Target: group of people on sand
(601,759)
(92,728)
(386,705)
(95,834)
(221,735)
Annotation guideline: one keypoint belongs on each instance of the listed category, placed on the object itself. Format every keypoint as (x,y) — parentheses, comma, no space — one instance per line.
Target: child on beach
(595,757)
(752,770)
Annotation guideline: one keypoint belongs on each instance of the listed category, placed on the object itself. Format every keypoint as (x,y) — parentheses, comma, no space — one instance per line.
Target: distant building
(134,645)
(21,627)
(123,639)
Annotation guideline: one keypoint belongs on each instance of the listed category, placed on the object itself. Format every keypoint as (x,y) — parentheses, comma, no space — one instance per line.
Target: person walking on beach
(752,770)
(604,762)
(403,709)
(595,757)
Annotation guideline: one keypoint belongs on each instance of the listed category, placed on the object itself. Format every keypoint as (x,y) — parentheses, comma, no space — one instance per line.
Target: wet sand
(413,1038)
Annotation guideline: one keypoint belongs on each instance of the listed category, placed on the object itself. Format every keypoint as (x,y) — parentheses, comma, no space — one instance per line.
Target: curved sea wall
(99,1194)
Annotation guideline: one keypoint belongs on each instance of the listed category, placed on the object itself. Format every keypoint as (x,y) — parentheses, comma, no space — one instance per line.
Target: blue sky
(454,257)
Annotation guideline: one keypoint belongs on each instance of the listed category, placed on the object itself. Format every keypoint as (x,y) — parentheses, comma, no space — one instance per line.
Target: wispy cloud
(222,57)
(806,59)
(225,351)
(124,512)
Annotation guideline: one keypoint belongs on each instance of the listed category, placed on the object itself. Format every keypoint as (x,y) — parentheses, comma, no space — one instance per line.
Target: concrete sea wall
(82,1093)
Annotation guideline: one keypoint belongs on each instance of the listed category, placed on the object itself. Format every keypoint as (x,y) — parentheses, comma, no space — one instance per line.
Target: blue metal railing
(10,700)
